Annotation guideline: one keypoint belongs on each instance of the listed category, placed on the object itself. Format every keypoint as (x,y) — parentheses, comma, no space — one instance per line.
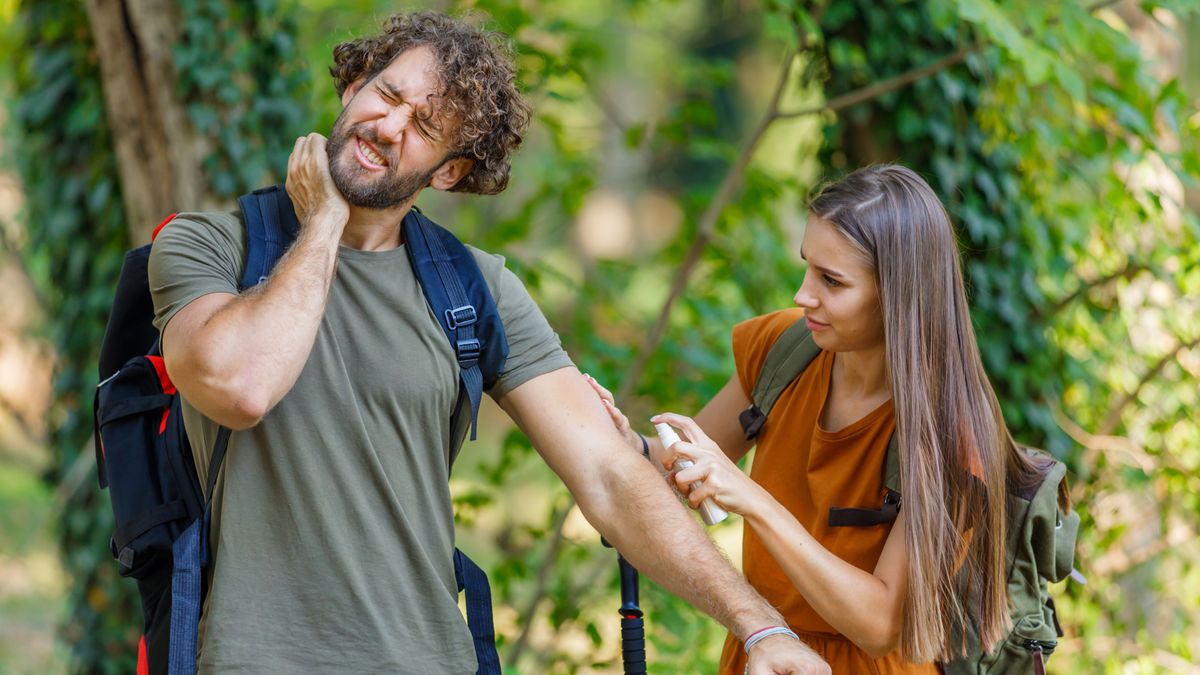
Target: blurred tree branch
(874,91)
(1128,272)
(1113,419)
(539,588)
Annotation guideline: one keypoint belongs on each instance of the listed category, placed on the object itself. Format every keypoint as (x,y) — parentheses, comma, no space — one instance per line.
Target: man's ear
(449,173)
(352,90)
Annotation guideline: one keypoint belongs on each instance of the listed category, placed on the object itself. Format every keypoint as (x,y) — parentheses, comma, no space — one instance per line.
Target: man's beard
(391,189)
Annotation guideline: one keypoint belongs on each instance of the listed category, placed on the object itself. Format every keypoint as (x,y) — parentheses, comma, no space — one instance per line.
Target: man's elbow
(229,399)
(612,489)
(240,415)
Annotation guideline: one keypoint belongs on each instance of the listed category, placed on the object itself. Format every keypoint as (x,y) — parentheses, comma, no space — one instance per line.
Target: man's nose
(392,126)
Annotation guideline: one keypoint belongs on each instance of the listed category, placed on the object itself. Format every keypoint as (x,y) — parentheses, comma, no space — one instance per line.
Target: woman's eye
(831,281)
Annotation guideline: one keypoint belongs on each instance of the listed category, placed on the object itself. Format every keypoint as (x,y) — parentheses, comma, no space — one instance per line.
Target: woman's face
(839,294)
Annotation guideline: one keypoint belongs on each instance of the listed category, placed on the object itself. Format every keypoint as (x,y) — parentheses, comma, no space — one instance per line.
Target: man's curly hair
(478,87)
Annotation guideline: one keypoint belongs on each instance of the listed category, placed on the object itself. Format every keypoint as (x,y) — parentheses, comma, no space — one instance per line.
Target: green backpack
(1041,536)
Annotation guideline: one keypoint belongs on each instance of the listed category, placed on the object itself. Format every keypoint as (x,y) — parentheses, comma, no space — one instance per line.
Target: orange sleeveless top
(808,470)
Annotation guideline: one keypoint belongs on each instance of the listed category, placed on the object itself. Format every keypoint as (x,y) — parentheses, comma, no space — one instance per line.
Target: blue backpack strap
(462,302)
(189,557)
(471,579)
(271,226)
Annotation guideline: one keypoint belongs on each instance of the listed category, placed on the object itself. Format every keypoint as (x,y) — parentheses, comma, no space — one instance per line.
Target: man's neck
(376,229)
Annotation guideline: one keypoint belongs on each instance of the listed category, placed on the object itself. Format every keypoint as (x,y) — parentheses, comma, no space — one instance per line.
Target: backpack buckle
(752,420)
(126,558)
(461,316)
(468,352)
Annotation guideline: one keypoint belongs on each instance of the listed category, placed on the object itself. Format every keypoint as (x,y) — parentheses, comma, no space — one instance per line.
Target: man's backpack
(143,455)
(1040,545)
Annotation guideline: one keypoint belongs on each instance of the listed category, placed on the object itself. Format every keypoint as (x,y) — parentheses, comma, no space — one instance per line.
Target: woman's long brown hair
(956,454)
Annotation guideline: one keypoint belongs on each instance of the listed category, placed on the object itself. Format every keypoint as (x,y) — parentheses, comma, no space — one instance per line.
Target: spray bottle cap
(666,434)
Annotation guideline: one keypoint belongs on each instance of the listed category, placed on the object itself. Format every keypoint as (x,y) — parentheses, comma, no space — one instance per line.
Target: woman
(883,296)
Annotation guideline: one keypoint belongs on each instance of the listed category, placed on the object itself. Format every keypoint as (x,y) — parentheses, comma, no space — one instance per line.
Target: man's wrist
(769,631)
(747,622)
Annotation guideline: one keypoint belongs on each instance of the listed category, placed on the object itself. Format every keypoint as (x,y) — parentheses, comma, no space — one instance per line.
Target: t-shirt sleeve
(195,254)
(533,347)
(753,339)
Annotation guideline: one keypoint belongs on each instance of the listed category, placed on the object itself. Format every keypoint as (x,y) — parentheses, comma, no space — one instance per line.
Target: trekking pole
(633,632)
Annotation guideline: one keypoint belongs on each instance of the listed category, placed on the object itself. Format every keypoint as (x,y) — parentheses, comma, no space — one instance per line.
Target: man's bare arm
(235,356)
(623,496)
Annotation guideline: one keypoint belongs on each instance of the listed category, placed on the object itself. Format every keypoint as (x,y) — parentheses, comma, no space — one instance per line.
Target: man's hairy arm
(624,497)
(235,356)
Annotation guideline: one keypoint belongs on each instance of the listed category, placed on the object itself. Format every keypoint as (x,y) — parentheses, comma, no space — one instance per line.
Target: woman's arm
(719,420)
(866,607)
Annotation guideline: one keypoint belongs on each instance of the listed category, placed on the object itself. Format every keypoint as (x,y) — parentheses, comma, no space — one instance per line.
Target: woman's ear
(450,173)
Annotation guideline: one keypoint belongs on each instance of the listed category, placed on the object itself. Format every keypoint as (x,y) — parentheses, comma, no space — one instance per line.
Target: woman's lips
(815,325)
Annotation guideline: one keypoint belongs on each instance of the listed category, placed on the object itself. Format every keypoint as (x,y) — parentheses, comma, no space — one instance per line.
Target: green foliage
(240,75)
(76,237)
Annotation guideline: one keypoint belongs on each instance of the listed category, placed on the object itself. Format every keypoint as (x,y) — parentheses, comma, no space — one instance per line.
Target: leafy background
(658,201)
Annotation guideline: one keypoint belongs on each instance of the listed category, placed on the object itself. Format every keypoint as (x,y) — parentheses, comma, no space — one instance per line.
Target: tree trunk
(158,152)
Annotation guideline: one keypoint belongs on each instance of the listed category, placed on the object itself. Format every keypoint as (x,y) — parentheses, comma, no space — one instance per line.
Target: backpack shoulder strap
(891,465)
(1052,532)
(789,356)
(271,226)
(462,303)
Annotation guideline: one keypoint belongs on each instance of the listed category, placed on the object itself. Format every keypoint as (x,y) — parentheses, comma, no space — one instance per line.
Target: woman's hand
(614,413)
(721,479)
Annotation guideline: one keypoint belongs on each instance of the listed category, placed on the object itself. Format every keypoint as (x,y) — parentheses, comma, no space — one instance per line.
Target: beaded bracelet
(645,447)
(760,635)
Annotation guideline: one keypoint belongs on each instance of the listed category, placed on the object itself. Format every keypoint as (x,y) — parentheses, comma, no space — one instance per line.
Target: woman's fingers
(685,477)
(691,431)
(689,451)
(618,418)
(601,391)
(614,413)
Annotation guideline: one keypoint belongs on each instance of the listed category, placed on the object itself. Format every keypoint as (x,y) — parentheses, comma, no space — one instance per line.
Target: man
(332,526)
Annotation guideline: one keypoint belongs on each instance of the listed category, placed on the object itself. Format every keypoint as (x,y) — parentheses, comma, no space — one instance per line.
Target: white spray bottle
(709,511)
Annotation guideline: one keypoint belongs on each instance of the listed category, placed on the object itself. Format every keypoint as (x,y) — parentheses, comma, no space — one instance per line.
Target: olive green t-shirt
(332,529)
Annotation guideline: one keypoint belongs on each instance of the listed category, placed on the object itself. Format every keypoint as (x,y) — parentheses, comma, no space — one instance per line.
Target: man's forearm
(654,532)
(253,348)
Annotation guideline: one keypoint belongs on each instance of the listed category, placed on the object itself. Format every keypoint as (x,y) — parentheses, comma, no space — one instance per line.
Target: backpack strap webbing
(789,356)
(472,580)
(462,304)
(271,226)
(189,556)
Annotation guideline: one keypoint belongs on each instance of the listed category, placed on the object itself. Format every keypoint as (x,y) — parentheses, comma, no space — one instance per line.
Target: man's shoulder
(491,264)
(220,225)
